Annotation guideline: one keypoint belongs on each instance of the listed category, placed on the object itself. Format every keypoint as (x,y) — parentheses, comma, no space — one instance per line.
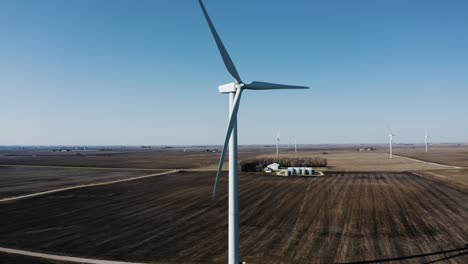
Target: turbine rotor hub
(239,85)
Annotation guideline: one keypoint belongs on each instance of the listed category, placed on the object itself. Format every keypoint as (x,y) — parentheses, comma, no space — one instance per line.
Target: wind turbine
(426,137)
(234,90)
(390,136)
(295,145)
(277,142)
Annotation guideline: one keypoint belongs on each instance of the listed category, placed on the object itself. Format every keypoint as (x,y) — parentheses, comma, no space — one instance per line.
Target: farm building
(299,171)
(273,166)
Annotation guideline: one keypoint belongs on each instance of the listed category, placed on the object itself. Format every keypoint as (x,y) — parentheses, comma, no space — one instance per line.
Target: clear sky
(146,72)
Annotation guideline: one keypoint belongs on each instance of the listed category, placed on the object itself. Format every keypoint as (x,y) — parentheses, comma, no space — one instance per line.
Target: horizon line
(204,145)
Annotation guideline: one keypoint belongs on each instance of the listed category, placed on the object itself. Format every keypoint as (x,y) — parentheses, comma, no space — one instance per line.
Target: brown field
(350,160)
(456,177)
(151,159)
(16,180)
(17,259)
(343,217)
(344,159)
(449,155)
(354,214)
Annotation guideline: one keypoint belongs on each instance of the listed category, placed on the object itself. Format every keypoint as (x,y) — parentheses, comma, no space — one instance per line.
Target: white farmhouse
(273,166)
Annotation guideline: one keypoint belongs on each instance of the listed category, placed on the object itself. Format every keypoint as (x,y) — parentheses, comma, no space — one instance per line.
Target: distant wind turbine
(390,137)
(277,142)
(426,139)
(295,145)
(234,90)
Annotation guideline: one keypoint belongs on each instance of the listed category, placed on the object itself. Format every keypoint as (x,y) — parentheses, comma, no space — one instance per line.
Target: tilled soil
(157,159)
(16,181)
(341,217)
(18,259)
(453,156)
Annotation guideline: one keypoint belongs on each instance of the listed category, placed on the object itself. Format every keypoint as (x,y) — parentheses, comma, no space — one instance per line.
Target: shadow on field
(460,252)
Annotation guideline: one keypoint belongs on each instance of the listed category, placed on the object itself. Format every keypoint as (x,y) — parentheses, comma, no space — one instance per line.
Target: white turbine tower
(277,142)
(235,91)
(426,139)
(295,145)
(390,136)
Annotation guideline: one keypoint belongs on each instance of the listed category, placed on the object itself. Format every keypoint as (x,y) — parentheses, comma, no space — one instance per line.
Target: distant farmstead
(61,150)
(290,171)
(366,149)
(211,150)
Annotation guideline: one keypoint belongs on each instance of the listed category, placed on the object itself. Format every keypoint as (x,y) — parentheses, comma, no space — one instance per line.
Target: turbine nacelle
(230,87)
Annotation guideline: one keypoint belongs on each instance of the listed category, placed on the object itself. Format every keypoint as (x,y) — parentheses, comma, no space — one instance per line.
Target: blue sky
(146,72)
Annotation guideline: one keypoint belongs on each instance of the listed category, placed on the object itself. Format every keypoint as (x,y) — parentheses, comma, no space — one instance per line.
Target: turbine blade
(271,86)
(230,127)
(224,54)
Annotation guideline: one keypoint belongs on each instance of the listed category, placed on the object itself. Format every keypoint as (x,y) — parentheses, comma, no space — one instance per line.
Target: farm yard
(344,217)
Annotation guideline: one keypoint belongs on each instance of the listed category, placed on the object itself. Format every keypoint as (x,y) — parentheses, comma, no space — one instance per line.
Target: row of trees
(258,164)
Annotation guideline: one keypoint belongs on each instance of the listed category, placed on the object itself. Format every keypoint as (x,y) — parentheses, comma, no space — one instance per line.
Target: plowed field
(343,217)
